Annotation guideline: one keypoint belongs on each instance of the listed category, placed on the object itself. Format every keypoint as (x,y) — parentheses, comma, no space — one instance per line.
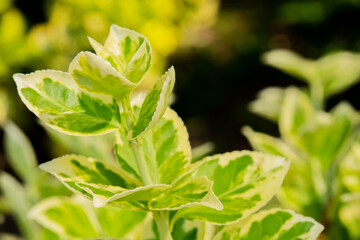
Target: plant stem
(161,217)
(317,95)
(162,221)
(136,144)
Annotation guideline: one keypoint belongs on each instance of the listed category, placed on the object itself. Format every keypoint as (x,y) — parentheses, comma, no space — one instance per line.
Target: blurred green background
(214,45)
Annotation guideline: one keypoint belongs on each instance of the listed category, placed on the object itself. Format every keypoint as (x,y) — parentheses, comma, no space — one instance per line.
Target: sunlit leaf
(243,181)
(96,75)
(297,191)
(155,103)
(274,224)
(55,98)
(102,183)
(128,51)
(166,147)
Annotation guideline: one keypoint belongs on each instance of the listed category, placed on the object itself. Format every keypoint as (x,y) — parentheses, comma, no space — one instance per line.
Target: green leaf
(274,224)
(127,51)
(297,191)
(243,181)
(321,135)
(16,196)
(166,146)
(20,153)
(333,73)
(82,220)
(104,184)
(56,99)
(96,75)
(349,213)
(155,104)
(268,103)
(338,71)
(291,63)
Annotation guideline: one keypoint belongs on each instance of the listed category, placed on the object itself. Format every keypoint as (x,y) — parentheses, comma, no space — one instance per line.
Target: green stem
(317,95)
(162,221)
(136,144)
(161,217)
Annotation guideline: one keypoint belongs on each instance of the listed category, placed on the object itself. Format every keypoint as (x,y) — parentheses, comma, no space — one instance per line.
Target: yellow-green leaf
(56,99)
(243,181)
(96,75)
(274,224)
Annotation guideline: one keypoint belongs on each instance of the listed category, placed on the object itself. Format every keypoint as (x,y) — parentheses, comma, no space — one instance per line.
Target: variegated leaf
(82,220)
(56,99)
(155,104)
(274,224)
(103,184)
(96,75)
(127,51)
(168,154)
(166,146)
(297,192)
(243,181)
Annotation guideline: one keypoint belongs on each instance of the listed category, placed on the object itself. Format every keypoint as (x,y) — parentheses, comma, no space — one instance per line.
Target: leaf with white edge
(96,75)
(268,103)
(297,192)
(155,104)
(16,196)
(20,153)
(128,51)
(243,181)
(166,146)
(273,224)
(56,99)
(190,193)
(82,219)
(101,183)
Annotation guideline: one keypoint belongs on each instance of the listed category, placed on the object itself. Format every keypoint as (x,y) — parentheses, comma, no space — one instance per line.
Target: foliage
(153,172)
(322,146)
